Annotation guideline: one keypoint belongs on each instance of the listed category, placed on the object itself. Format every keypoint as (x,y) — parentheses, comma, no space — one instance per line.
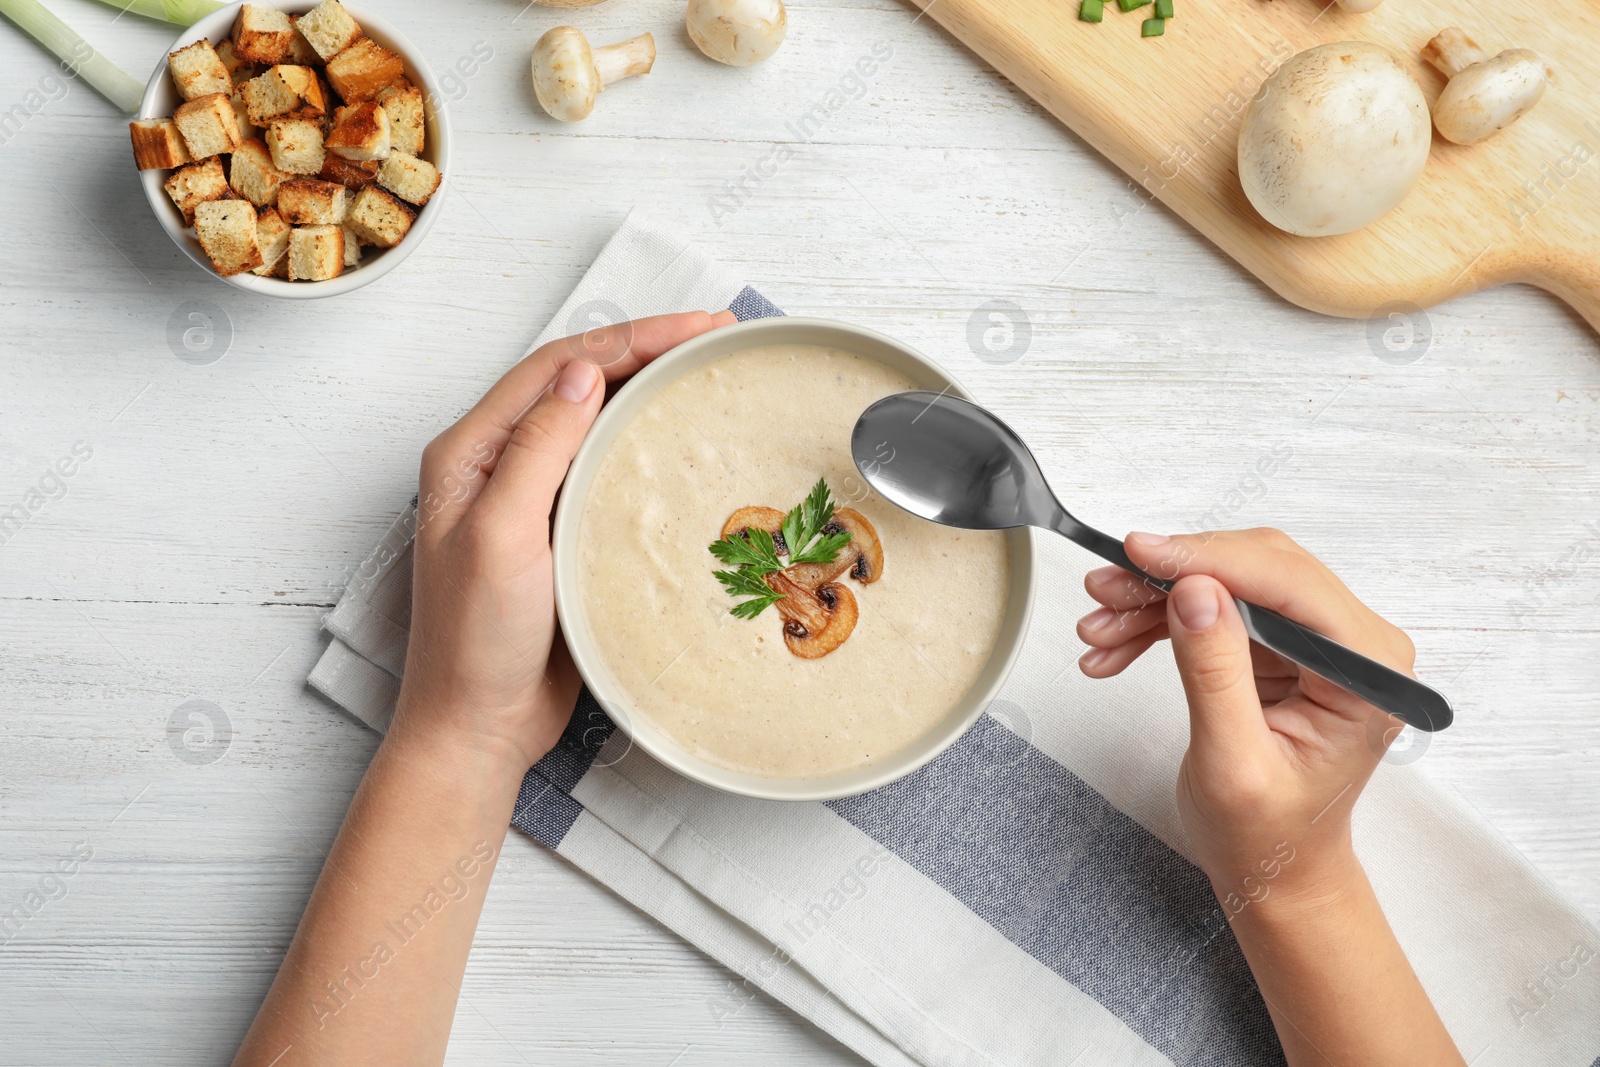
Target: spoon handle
(1383,687)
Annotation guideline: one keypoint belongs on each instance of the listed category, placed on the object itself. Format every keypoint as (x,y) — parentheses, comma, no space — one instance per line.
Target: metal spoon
(949,460)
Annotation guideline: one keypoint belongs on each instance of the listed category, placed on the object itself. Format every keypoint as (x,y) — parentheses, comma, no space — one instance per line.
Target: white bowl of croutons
(298,151)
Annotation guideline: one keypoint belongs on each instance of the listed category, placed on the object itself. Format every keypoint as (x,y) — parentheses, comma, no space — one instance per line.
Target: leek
(182,12)
(78,57)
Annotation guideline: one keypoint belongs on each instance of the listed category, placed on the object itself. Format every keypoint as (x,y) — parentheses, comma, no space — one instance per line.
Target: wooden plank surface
(1520,207)
(1452,483)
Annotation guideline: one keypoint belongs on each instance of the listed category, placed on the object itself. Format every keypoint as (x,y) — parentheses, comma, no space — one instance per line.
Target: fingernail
(1102,575)
(1098,619)
(1196,604)
(1149,540)
(576,381)
(1093,657)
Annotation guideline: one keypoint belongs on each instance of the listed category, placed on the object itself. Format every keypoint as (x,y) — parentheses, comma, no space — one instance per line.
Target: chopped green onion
(1092,10)
(1129,5)
(1152,27)
(1163,9)
(182,12)
(77,56)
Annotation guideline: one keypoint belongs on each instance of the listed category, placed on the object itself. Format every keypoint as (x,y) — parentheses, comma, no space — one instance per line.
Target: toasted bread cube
(227,231)
(316,253)
(300,50)
(198,71)
(309,202)
(262,35)
(196,184)
(208,125)
(284,91)
(157,145)
(296,146)
(272,238)
(360,71)
(411,179)
(352,247)
(378,218)
(360,132)
(253,175)
(329,28)
(407,118)
(350,173)
(238,69)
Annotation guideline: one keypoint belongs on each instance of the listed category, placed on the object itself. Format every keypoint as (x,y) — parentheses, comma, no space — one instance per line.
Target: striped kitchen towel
(1025,898)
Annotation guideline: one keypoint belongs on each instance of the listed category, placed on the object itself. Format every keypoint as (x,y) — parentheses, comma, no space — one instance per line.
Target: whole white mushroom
(1334,140)
(1485,94)
(568,75)
(737,32)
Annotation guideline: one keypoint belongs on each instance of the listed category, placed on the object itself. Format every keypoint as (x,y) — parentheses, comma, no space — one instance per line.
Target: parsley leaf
(754,553)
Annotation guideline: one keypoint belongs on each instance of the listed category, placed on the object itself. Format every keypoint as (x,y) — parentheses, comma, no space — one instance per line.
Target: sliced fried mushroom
(815,622)
(1485,93)
(757,518)
(861,559)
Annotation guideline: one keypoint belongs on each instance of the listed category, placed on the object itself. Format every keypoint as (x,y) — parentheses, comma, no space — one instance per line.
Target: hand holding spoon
(948,460)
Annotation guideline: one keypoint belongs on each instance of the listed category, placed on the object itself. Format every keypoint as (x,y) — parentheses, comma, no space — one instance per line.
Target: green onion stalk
(77,55)
(182,12)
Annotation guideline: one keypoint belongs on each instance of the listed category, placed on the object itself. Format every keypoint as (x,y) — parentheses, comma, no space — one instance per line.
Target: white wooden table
(192,555)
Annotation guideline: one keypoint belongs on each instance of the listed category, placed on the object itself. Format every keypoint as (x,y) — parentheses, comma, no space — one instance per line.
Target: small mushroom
(815,621)
(1359,6)
(568,74)
(1334,140)
(1485,94)
(737,32)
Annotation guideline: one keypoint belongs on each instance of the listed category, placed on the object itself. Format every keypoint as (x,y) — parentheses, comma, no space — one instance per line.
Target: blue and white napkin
(1025,898)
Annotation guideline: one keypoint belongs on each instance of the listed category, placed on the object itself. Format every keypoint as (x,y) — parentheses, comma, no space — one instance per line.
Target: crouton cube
(284,91)
(360,131)
(272,238)
(300,50)
(329,28)
(157,144)
(309,202)
(316,253)
(238,70)
(378,218)
(352,247)
(252,174)
(407,118)
(227,232)
(196,184)
(262,35)
(350,173)
(296,146)
(198,71)
(208,125)
(411,179)
(361,70)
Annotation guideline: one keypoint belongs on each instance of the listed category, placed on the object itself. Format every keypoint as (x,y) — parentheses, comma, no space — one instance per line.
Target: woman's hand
(1277,755)
(486,667)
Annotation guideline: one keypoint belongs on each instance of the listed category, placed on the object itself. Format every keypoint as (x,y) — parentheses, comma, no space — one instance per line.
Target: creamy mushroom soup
(866,651)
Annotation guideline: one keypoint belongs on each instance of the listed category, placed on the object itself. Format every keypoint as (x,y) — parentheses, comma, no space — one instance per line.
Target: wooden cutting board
(1522,206)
